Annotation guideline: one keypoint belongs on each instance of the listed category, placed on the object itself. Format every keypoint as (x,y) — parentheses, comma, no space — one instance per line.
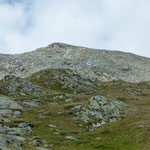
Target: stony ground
(114,116)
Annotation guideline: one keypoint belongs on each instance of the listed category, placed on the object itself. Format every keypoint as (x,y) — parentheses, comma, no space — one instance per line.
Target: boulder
(7,103)
(71,138)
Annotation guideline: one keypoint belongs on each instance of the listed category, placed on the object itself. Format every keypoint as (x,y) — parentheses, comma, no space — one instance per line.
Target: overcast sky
(105,24)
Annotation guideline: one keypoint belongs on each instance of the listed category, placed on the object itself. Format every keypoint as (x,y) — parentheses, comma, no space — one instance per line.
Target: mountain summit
(96,64)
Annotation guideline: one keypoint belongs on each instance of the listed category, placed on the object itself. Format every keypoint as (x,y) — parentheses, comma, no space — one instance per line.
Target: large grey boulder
(22,129)
(7,103)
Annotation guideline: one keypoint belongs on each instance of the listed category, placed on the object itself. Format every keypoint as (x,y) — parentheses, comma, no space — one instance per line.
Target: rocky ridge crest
(102,65)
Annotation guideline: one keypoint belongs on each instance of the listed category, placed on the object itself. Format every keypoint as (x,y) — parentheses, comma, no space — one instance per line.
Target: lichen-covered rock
(6,111)
(100,110)
(8,139)
(22,129)
(12,135)
(15,86)
(7,103)
(17,113)
(32,103)
(3,119)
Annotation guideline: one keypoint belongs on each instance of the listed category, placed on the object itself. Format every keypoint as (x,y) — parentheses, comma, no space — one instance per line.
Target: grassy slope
(56,79)
(125,134)
(130,133)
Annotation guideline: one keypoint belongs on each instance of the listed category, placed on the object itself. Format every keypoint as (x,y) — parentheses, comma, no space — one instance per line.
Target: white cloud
(109,24)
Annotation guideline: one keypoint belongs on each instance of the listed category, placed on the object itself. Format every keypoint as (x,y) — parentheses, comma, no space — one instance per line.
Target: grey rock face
(5,103)
(3,119)
(11,132)
(6,111)
(5,139)
(22,129)
(36,143)
(12,135)
(103,108)
(99,65)
(32,103)
(17,113)
(77,108)
(15,86)
(100,110)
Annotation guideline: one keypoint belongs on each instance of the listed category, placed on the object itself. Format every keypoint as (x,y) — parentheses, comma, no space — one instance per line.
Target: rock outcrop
(16,86)
(11,133)
(63,80)
(99,111)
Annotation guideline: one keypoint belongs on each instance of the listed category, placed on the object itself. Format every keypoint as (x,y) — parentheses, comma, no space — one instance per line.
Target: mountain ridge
(96,64)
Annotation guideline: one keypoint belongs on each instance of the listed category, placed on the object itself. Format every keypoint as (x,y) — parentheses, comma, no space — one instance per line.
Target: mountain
(94,64)
(64,97)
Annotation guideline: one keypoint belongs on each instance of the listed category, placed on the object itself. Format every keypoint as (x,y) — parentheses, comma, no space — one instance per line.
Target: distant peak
(60,45)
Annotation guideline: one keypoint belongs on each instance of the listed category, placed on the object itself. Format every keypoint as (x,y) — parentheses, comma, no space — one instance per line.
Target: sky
(103,24)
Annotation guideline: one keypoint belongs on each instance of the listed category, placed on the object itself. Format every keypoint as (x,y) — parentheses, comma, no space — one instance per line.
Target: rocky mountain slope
(115,115)
(63,90)
(64,97)
(94,64)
